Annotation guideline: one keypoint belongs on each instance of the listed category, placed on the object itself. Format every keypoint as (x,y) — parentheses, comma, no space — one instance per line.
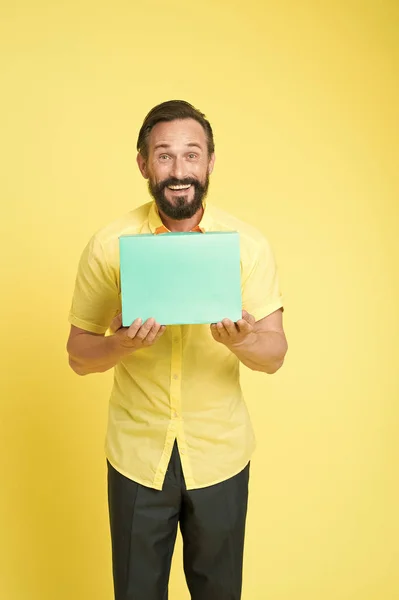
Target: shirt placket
(177,422)
(175,404)
(175,377)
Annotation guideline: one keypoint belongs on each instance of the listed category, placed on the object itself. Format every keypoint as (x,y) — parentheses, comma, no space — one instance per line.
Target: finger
(145,329)
(152,334)
(214,330)
(222,334)
(116,323)
(134,328)
(160,332)
(220,328)
(230,327)
(248,317)
(244,327)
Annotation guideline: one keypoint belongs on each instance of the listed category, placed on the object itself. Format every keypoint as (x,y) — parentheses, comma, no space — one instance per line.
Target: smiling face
(178,167)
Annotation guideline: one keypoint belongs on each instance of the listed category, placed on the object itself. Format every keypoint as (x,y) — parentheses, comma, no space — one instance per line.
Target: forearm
(95,354)
(264,351)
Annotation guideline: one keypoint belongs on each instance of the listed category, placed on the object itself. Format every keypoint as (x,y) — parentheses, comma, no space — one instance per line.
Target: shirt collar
(156,226)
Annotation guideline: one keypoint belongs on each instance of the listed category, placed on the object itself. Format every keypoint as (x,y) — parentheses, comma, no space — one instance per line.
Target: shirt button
(175,376)
(175,414)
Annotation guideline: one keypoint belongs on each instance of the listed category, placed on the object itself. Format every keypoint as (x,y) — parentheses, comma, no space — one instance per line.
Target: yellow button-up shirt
(186,387)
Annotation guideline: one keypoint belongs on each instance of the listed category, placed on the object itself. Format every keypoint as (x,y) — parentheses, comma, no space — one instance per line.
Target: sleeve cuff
(91,327)
(266,309)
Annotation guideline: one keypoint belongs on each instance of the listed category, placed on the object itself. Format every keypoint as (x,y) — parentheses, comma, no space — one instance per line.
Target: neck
(185,224)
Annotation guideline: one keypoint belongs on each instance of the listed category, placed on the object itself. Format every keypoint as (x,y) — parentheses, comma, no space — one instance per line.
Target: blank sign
(181,278)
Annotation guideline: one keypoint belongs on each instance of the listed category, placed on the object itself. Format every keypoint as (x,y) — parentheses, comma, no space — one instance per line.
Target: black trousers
(144,525)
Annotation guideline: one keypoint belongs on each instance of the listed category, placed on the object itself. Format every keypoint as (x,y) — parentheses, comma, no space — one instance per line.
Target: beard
(181,208)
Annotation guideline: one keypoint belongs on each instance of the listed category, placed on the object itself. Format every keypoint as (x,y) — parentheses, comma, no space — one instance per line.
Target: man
(179,437)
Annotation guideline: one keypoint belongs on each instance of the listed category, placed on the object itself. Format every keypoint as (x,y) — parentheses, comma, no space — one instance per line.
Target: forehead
(180,132)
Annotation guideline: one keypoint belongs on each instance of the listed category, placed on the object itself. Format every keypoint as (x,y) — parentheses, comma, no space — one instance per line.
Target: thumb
(249,318)
(116,323)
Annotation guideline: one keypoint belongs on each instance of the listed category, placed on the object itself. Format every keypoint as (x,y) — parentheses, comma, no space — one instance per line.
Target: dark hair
(170,111)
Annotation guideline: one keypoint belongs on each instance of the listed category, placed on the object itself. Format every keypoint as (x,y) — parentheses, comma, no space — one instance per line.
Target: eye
(163,157)
(192,155)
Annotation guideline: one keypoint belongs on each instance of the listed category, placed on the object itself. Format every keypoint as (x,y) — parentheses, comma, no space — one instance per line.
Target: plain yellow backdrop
(303,98)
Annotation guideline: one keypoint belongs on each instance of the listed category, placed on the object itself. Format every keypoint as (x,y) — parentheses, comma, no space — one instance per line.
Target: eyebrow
(166,145)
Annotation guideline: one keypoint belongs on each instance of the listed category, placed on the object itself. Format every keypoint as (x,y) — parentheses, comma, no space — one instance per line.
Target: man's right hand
(138,335)
(96,353)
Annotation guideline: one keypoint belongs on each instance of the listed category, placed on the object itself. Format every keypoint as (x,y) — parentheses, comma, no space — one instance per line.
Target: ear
(211,163)
(142,164)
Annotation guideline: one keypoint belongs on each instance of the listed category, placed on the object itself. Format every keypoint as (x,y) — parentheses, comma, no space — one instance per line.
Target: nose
(178,169)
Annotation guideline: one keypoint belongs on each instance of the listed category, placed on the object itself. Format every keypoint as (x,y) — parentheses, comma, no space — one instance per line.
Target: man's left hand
(234,334)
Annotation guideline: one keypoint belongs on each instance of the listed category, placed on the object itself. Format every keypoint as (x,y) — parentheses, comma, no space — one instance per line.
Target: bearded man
(179,438)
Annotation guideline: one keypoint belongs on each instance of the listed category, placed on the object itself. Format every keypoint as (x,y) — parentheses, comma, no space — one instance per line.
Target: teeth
(179,187)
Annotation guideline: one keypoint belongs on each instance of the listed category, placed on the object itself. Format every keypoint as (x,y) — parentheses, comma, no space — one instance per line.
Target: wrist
(120,345)
(244,344)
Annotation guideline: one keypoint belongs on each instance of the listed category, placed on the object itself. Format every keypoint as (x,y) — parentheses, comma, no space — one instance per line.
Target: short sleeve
(261,294)
(96,297)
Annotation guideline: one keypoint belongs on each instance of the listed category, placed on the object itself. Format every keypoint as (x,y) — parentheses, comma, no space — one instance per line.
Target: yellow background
(303,98)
